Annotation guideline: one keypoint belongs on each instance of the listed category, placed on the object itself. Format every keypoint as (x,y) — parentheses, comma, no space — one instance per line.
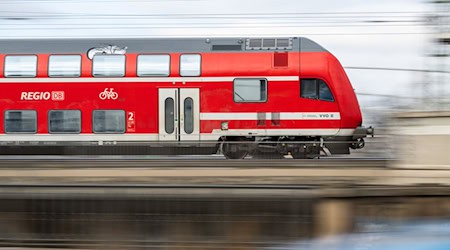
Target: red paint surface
(142,98)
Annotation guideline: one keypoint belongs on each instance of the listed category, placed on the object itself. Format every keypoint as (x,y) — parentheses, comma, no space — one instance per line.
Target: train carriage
(237,96)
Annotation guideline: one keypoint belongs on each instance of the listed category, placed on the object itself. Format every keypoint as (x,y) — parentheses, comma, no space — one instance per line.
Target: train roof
(161,45)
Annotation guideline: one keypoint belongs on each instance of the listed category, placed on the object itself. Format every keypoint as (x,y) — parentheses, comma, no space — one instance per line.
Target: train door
(179,114)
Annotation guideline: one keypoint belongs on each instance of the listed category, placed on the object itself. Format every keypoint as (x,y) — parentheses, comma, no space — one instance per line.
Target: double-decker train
(237,96)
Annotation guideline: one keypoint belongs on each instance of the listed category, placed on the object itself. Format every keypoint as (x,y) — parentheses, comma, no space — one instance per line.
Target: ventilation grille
(268,44)
(254,43)
(284,42)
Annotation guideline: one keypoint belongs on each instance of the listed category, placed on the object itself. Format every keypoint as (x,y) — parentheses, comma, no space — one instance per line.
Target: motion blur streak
(393,194)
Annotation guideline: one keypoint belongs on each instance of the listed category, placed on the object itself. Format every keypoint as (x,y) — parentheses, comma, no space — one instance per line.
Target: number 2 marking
(130,116)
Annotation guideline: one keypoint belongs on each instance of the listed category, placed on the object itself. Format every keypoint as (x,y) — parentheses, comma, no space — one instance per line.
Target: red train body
(282,96)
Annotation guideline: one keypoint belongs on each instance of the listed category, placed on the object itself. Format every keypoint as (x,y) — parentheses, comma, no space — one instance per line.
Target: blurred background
(396,54)
(395,51)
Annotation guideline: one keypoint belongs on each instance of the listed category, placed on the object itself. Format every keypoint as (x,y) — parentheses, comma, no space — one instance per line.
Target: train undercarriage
(232,147)
(279,147)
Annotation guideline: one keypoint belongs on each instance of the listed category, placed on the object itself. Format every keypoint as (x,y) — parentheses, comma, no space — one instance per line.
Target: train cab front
(351,132)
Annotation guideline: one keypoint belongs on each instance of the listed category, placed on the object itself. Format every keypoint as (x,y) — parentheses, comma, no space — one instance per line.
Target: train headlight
(224,125)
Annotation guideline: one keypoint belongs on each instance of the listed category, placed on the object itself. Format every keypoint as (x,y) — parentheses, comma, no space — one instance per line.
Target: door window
(169,107)
(188,115)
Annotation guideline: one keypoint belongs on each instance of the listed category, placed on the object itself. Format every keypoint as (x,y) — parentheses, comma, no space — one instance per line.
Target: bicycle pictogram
(108,93)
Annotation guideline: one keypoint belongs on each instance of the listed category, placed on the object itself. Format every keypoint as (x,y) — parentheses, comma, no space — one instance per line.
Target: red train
(237,96)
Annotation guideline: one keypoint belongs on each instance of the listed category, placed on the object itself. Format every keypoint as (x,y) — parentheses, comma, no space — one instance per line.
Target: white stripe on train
(253,116)
(141,79)
(153,137)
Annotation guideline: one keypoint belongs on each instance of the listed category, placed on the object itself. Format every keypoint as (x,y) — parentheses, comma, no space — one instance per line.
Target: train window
(64,66)
(20,66)
(324,92)
(109,65)
(308,88)
(315,89)
(20,121)
(190,65)
(188,115)
(109,121)
(250,90)
(64,121)
(169,117)
(153,65)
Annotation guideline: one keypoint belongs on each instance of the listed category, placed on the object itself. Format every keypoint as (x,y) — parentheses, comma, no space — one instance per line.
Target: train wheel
(233,150)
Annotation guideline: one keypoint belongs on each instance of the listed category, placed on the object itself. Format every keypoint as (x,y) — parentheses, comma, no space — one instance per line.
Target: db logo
(108,94)
(58,95)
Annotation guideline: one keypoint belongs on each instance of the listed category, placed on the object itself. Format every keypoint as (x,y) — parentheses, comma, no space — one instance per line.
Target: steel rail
(215,191)
(160,186)
(22,162)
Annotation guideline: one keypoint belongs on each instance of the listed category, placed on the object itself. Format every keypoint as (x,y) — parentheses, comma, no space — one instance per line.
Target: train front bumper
(361,132)
(358,137)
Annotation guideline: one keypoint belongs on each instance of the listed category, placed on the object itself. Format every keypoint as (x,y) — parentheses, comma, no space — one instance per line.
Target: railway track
(214,191)
(212,175)
(181,162)
(72,174)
